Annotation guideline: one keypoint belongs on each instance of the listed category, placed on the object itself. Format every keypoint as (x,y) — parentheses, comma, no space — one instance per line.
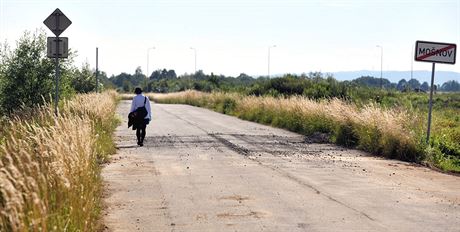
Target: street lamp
(412,63)
(194,49)
(148,54)
(381,65)
(273,46)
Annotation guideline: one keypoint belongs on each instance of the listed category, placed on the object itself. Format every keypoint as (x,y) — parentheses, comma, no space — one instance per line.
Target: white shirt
(138,101)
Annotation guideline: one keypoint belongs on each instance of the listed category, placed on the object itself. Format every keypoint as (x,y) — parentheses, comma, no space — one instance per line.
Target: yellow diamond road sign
(57,22)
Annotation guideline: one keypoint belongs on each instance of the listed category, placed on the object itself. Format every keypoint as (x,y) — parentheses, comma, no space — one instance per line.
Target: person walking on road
(140,115)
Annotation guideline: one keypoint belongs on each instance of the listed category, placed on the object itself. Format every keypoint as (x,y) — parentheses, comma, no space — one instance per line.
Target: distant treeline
(406,85)
(313,84)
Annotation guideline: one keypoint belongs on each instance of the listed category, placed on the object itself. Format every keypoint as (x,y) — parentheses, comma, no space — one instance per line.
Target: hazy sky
(232,36)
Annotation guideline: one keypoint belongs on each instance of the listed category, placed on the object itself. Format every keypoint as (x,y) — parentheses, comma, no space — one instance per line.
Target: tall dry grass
(127,96)
(384,132)
(49,166)
(218,101)
(381,131)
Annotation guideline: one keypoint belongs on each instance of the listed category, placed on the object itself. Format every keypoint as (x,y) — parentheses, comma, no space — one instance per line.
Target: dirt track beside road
(204,171)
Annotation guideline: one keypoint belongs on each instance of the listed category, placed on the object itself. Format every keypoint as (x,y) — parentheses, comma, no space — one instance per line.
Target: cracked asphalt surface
(204,171)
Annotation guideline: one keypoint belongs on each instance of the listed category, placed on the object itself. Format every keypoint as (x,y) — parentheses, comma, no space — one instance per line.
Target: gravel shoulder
(204,171)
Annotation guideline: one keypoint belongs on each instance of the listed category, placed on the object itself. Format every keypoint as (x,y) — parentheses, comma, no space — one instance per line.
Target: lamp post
(148,54)
(194,49)
(272,46)
(97,67)
(412,63)
(381,65)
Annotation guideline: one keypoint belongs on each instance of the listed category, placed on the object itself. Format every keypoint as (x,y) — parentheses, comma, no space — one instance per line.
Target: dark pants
(140,131)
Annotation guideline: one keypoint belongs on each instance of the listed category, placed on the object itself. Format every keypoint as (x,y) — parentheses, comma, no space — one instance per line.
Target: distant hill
(395,76)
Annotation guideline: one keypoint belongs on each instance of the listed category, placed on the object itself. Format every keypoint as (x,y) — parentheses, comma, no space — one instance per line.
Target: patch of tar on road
(253,214)
(235,198)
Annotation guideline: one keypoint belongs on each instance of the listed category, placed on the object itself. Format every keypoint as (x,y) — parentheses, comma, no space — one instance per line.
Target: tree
(120,79)
(127,86)
(83,81)
(425,87)
(28,75)
(171,74)
(199,75)
(155,75)
(104,81)
(316,76)
(244,77)
(126,81)
(402,84)
(164,74)
(450,86)
(368,81)
(413,84)
(138,78)
(214,80)
(371,81)
(138,71)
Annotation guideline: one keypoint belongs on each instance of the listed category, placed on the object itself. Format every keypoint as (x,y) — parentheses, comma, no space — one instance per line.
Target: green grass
(444,148)
(443,151)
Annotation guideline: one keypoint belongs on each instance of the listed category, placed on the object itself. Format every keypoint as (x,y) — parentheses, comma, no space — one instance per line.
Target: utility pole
(194,49)
(97,67)
(412,64)
(381,66)
(148,54)
(273,46)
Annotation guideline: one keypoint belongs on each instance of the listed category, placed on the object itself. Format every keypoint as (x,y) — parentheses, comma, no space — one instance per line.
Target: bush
(345,135)
(27,75)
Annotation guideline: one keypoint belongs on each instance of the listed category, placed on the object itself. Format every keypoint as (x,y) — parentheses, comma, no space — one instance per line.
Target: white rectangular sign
(63,47)
(435,52)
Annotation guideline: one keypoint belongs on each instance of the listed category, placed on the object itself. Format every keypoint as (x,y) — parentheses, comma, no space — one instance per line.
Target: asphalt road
(204,171)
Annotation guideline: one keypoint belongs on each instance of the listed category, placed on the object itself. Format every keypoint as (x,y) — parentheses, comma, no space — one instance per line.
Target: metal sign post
(434,52)
(57,22)
(56,94)
(430,105)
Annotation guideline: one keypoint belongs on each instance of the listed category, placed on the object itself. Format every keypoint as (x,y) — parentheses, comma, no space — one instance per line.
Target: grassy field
(444,149)
(49,167)
(392,127)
